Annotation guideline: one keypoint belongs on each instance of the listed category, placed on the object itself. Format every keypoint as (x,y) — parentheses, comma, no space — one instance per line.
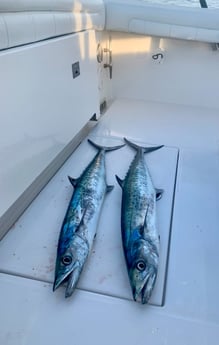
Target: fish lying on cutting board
(80,222)
(138,223)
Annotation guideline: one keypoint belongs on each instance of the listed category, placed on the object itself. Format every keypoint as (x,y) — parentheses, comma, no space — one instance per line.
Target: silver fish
(138,223)
(80,223)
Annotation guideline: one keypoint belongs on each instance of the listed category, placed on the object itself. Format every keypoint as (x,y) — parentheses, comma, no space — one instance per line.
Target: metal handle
(108,65)
(107,50)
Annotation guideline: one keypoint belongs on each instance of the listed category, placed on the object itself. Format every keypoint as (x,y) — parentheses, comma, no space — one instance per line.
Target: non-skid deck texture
(191,308)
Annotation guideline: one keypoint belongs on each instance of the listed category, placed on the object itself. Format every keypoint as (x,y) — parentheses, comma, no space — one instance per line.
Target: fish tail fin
(145,149)
(105,148)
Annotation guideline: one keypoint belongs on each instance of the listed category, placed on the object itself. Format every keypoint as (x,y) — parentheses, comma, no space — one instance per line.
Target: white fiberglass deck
(102,305)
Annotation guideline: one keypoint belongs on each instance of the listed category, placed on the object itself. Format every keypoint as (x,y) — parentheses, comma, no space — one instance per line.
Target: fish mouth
(72,281)
(72,277)
(144,291)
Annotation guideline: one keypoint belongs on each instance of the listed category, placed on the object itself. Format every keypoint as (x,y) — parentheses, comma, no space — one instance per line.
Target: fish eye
(67,260)
(140,265)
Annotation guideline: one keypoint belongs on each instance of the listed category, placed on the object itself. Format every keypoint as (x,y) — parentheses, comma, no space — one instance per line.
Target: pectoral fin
(81,226)
(143,227)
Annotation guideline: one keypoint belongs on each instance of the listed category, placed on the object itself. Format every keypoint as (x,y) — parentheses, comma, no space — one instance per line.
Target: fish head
(69,264)
(142,269)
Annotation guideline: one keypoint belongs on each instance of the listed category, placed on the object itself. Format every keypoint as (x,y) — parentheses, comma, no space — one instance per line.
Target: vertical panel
(42,107)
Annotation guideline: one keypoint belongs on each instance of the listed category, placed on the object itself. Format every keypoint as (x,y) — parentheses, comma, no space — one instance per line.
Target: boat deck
(184,308)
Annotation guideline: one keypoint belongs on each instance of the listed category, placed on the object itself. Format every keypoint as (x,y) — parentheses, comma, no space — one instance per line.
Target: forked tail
(144,149)
(105,148)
